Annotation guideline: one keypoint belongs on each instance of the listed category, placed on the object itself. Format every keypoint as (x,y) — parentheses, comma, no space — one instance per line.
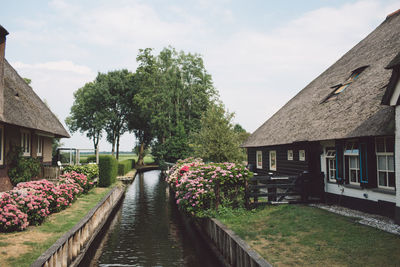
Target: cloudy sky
(260,53)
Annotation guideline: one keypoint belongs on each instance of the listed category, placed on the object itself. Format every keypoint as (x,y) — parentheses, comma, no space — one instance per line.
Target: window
(290,154)
(39,151)
(331,165)
(341,87)
(302,155)
(351,153)
(272,160)
(385,161)
(259,159)
(26,143)
(1,144)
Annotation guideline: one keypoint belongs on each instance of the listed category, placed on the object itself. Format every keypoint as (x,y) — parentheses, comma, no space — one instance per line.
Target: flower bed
(29,203)
(200,187)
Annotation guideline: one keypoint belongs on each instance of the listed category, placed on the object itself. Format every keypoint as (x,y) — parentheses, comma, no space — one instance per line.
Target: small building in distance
(25,121)
(343,125)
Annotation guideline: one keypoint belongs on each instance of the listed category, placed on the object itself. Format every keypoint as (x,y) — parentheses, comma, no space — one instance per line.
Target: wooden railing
(276,190)
(50,172)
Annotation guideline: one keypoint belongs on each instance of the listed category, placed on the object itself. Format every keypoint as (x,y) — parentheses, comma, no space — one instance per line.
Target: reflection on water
(148,231)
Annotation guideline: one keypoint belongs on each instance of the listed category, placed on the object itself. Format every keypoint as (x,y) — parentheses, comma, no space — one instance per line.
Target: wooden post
(217,196)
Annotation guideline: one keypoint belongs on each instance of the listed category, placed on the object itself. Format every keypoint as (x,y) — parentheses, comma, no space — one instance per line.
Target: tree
(87,113)
(217,140)
(118,88)
(174,90)
(142,106)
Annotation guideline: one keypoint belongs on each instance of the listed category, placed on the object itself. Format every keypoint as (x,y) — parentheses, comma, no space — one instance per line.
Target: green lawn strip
(51,230)
(302,235)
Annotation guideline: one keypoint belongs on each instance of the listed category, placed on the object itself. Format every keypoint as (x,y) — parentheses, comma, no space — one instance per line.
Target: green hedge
(125,166)
(108,167)
(90,170)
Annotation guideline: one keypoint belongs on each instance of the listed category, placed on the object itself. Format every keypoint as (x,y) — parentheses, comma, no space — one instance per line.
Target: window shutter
(339,162)
(363,163)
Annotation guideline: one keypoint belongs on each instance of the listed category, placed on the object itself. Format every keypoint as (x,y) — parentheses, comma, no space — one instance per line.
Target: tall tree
(217,140)
(174,90)
(143,102)
(87,114)
(118,88)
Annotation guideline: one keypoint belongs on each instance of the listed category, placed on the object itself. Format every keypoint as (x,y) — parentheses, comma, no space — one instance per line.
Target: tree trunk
(141,152)
(118,146)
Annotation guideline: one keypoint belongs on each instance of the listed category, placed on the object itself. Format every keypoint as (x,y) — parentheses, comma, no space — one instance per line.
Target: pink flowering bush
(29,203)
(80,179)
(200,187)
(11,217)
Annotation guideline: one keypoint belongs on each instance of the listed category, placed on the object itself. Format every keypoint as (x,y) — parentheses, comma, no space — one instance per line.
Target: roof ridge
(393,14)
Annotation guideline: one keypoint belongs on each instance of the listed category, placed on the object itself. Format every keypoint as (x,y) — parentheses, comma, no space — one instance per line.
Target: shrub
(91,171)
(200,187)
(91,158)
(22,169)
(108,168)
(125,166)
(80,179)
(11,217)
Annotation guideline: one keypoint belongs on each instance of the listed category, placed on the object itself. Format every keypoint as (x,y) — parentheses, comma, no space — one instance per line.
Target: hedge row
(125,166)
(90,170)
(108,168)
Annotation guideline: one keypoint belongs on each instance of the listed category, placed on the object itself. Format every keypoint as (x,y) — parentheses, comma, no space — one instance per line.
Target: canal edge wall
(234,250)
(70,249)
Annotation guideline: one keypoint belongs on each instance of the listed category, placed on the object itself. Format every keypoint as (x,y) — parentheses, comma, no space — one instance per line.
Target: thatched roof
(24,108)
(355,112)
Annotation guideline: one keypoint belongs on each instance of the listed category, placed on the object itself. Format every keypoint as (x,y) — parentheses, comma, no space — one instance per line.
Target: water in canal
(148,231)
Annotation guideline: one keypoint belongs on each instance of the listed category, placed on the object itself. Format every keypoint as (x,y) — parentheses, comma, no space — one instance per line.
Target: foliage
(91,171)
(201,187)
(40,238)
(29,203)
(174,90)
(56,143)
(108,168)
(22,169)
(118,96)
(218,140)
(78,178)
(88,113)
(27,80)
(125,166)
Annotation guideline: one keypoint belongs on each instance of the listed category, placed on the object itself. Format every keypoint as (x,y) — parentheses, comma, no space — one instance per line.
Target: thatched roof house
(356,111)
(25,121)
(342,125)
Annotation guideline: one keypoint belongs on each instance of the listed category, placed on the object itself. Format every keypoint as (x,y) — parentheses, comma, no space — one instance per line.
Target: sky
(260,53)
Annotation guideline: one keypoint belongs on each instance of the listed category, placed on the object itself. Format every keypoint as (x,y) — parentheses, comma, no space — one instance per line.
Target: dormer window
(341,87)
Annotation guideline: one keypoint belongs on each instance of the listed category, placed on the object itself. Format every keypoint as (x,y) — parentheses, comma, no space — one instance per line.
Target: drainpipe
(3,34)
(397,161)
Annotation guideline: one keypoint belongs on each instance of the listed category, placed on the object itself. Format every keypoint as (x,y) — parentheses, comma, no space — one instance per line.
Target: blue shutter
(363,163)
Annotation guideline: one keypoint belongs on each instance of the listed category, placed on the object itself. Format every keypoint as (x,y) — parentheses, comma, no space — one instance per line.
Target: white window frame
(2,145)
(331,158)
(356,169)
(302,155)
(39,150)
(290,154)
(26,143)
(387,171)
(271,166)
(259,159)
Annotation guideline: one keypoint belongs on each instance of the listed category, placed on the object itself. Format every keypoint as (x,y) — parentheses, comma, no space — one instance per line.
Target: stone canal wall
(233,249)
(70,249)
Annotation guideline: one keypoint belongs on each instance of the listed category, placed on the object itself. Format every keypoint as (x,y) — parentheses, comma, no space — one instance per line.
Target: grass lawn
(293,235)
(23,248)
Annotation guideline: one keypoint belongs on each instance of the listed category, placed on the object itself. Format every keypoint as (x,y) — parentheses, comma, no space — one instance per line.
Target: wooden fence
(276,190)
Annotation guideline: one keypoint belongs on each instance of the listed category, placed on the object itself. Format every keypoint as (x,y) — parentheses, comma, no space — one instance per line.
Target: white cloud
(256,70)
(61,66)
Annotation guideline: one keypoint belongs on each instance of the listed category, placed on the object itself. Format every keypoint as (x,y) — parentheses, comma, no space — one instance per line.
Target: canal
(148,231)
